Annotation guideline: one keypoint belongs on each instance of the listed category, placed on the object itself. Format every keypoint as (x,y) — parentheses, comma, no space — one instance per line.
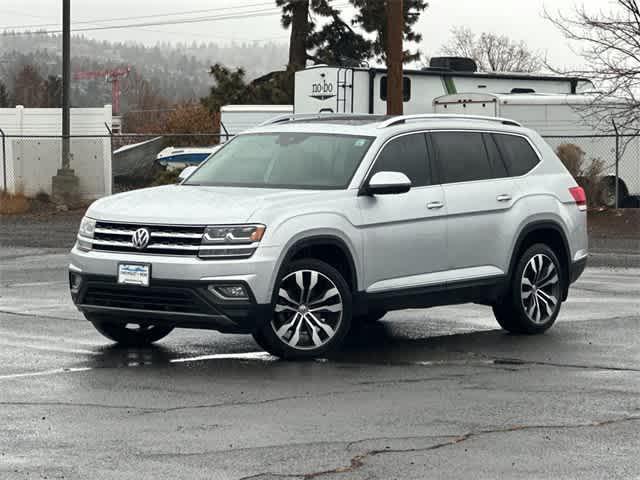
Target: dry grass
(13,203)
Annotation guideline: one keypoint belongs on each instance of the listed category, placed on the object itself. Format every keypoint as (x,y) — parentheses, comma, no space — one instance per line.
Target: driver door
(404,234)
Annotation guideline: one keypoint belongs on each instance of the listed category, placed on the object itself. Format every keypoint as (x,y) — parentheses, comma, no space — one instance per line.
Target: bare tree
(493,53)
(610,44)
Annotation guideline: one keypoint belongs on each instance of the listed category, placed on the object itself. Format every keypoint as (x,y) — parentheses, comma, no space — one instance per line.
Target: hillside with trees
(176,72)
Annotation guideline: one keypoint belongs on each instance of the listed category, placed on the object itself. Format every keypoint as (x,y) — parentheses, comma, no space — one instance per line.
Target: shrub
(12,203)
(166,177)
(588,173)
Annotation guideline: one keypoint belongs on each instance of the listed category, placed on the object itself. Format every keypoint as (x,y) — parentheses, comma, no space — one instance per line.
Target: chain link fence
(116,162)
(612,163)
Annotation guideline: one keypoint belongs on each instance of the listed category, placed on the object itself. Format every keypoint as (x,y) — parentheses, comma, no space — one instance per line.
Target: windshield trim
(345,186)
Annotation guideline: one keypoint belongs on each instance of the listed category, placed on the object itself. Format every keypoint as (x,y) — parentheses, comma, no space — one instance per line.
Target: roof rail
(290,117)
(436,116)
(286,117)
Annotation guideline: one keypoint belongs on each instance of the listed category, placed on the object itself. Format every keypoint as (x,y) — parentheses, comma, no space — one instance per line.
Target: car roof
(384,125)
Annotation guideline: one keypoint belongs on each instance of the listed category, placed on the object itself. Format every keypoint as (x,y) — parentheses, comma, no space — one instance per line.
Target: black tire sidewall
(523,324)
(267,337)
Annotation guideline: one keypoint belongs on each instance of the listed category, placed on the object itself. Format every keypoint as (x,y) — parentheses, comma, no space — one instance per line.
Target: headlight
(231,241)
(85,233)
(233,234)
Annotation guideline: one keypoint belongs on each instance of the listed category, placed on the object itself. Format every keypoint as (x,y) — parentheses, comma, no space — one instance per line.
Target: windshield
(284,160)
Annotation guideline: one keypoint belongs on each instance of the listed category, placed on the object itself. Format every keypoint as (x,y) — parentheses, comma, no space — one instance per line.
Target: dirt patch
(620,223)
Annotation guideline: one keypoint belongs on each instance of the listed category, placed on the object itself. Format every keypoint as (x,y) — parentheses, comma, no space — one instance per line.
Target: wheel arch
(549,233)
(328,248)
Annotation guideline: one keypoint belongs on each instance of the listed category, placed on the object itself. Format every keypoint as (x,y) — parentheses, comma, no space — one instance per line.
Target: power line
(106,20)
(214,18)
(231,16)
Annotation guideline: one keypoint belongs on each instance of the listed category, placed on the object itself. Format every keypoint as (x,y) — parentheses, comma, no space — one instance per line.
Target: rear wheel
(130,334)
(533,302)
(311,311)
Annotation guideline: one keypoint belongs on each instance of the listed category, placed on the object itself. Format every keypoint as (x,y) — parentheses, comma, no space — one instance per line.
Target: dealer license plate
(135,274)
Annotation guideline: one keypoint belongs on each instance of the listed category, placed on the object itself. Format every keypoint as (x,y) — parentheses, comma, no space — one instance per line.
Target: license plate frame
(136,274)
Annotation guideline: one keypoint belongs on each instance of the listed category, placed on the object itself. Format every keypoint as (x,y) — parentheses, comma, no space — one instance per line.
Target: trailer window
(406,88)
(517,154)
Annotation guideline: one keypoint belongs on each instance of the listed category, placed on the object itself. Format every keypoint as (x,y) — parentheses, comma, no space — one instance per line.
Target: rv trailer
(323,88)
(238,118)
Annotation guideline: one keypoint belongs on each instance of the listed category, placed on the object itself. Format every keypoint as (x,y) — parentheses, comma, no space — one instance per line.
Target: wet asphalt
(439,393)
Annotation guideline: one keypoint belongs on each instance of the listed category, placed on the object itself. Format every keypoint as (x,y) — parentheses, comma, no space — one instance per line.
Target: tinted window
(495,159)
(517,154)
(406,154)
(406,88)
(462,156)
(284,160)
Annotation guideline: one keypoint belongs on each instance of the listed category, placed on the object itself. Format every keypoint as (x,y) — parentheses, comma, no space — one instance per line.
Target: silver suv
(299,229)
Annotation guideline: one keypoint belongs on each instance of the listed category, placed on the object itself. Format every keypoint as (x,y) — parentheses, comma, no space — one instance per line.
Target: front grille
(164,239)
(163,299)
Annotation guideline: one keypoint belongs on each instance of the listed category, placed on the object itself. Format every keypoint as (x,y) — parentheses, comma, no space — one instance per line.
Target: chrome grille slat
(171,239)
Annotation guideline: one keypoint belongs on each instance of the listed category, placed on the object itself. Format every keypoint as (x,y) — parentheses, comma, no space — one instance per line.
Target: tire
(124,334)
(527,310)
(311,305)
(608,192)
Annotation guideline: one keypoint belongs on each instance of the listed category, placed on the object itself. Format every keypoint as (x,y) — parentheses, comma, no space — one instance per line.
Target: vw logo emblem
(140,238)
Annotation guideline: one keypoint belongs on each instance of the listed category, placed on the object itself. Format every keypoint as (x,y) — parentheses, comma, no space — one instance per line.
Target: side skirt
(484,291)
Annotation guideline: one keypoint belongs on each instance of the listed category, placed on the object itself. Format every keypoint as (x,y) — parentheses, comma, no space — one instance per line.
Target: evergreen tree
(4,96)
(371,16)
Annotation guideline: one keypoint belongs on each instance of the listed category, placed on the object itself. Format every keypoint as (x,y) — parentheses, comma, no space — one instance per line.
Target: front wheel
(533,301)
(130,334)
(311,311)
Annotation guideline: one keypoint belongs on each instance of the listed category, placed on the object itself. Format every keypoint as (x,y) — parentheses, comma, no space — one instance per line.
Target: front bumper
(258,272)
(177,303)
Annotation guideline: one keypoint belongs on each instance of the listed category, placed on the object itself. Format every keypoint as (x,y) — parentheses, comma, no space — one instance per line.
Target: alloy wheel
(308,310)
(540,288)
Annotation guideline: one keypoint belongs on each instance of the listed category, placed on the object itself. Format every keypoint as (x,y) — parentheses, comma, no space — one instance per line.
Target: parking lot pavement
(437,393)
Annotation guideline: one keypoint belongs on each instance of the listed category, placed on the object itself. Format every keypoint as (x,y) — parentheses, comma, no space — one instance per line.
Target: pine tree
(4,96)
(372,18)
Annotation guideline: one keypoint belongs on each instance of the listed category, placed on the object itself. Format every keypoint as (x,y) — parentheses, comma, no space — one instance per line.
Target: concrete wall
(32,160)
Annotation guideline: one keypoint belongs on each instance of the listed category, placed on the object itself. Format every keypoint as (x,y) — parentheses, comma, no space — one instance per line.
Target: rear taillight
(579,196)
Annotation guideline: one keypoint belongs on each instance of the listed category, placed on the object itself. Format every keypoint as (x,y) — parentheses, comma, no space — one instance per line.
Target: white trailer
(238,118)
(560,119)
(363,90)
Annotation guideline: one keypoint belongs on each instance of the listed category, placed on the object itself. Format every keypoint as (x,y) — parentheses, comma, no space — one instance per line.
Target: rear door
(478,194)
(404,235)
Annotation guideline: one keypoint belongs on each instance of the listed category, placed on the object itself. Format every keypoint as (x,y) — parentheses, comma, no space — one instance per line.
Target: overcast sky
(519,19)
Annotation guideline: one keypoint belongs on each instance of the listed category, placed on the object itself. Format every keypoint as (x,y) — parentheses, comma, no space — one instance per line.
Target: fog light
(229,292)
(75,281)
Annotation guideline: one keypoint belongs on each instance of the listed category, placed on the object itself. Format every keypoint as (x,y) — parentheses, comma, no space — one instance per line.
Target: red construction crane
(113,77)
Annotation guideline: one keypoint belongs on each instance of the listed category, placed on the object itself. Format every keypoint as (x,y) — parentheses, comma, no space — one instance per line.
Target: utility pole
(65,183)
(395,23)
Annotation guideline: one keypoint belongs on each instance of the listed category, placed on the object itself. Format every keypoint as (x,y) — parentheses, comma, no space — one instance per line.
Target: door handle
(434,205)
(503,197)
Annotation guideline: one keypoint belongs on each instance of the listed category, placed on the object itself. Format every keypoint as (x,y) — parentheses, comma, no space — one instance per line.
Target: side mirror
(388,183)
(186,173)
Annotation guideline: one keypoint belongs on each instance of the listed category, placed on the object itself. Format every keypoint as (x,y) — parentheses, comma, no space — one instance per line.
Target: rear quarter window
(517,153)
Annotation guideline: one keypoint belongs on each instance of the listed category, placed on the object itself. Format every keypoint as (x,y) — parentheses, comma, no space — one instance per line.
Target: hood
(190,205)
